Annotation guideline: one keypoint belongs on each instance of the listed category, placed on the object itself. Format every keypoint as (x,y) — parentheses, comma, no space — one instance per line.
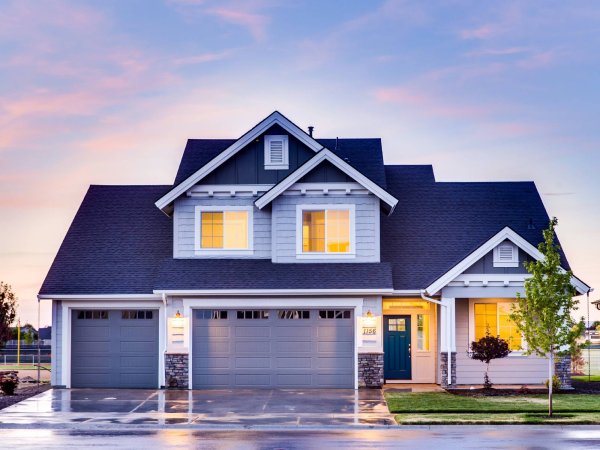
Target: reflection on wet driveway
(279,407)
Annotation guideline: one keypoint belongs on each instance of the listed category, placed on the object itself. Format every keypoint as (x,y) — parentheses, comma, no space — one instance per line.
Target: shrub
(487,348)
(556,383)
(8,383)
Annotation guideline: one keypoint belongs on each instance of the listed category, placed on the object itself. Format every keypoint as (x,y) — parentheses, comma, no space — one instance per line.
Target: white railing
(13,343)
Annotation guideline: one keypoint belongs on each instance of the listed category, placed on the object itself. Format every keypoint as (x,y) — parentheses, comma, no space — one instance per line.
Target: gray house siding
(184,227)
(366,227)
(326,173)
(247,166)
(510,370)
(486,265)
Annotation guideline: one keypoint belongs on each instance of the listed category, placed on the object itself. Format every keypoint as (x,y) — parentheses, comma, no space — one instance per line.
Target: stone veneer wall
(562,369)
(444,370)
(176,371)
(370,370)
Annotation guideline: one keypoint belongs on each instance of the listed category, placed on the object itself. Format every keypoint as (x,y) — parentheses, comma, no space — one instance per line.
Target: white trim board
(501,236)
(275,118)
(68,306)
(270,292)
(326,155)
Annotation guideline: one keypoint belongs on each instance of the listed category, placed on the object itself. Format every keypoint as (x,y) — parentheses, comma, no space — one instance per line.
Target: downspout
(448,333)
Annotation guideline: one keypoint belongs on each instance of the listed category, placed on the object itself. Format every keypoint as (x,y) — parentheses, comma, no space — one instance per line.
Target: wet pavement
(230,408)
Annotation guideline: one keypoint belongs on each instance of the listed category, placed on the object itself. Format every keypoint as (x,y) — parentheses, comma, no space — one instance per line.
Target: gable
(247,166)
(326,173)
(485,265)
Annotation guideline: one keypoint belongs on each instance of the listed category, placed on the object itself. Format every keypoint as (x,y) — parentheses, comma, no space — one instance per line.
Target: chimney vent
(310,130)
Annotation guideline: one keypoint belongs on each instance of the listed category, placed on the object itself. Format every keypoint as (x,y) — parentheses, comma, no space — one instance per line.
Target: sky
(108,92)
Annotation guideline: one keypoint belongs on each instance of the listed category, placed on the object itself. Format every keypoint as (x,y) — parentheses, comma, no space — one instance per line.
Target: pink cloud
(482,32)
(499,51)
(203,58)
(538,60)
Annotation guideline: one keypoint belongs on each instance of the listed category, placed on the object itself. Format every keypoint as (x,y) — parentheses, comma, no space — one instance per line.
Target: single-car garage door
(114,348)
(273,348)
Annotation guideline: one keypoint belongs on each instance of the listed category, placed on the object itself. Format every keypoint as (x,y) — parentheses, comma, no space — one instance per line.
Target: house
(283,260)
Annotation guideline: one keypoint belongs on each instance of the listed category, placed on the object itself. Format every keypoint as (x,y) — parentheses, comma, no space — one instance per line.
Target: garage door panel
(253,332)
(290,348)
(214,362)
(259,347)
(114,349)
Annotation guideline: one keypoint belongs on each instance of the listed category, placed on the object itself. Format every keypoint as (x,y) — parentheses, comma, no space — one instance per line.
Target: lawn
(24,367)
(445,408)
(585,378)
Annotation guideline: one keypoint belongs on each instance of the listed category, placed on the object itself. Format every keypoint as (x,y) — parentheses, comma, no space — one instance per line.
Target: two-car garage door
(273,348)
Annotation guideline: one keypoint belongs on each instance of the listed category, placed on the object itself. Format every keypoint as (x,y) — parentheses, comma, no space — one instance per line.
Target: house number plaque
(369,331)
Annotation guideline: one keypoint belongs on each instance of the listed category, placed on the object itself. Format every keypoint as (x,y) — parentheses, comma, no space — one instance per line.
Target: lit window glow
(326,231)
(224,229)
(495,318)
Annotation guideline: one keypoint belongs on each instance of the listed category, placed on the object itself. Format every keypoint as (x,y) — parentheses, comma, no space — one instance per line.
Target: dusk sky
(107,92)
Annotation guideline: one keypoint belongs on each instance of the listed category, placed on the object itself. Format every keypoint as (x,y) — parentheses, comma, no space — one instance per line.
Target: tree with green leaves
(543,316)
(8,313)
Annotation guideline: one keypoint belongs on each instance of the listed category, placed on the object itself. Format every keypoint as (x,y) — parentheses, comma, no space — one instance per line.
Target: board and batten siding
(366,227)
(510,370)
(184,227)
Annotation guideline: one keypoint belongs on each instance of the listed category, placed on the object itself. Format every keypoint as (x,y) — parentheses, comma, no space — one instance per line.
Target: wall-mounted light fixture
(369,319)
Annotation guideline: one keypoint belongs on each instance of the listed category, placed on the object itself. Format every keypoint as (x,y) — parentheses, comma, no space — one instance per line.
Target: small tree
(487,348)
(543,316)
(8,304)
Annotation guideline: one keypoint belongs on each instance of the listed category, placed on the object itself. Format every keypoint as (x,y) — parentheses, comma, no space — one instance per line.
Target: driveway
(212,408)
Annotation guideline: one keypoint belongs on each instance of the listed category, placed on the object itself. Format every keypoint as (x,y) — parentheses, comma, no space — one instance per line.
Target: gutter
(448,333)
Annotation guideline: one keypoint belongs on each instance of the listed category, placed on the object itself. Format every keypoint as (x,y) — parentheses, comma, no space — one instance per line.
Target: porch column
(448,342)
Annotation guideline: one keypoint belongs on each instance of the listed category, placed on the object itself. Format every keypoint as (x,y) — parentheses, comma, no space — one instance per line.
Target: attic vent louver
(276,152)
(506,255)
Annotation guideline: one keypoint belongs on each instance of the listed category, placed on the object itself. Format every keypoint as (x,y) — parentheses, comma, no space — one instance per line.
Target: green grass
(445,408)
(23,367)
(585,378)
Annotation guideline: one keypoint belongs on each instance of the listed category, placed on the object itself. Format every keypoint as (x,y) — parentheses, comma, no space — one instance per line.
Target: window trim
(325,255)
(199,251)
(472,301)
(285,164)
(514,262)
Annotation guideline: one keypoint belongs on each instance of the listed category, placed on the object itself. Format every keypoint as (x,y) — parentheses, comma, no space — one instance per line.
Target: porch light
(178,320)
(178,315)
(369,319)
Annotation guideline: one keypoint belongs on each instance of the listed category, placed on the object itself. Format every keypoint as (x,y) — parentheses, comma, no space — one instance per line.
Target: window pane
(313,231)
(508,329)
(236,229)
(485,319)
(422,332)
(211,230)
(338,231)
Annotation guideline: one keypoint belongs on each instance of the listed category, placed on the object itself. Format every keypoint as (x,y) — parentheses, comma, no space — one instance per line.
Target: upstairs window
(222,229)
(276,152)
(506,255)
(326,231)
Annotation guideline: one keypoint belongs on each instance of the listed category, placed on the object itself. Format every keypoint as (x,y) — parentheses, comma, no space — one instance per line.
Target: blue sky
(107,92)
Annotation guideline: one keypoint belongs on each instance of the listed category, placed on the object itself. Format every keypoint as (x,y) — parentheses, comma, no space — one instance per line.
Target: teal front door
(396,348)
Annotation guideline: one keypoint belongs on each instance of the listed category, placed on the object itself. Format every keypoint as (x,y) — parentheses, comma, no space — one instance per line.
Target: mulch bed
(23,392)
(580,387)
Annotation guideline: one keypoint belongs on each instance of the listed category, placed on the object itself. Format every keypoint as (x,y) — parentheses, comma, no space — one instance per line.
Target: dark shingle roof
(114,245)
(263,274)
(365,155)
(436,225)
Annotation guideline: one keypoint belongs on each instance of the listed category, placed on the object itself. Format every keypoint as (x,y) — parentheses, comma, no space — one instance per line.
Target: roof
(436,225)
(365,155)
(216,274)
(120,243)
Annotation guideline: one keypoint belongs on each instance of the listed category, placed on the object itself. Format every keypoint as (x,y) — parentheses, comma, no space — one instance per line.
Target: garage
(267,348)
(114,348)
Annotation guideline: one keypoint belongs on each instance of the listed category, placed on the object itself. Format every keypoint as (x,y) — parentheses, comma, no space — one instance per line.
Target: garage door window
(92,315)
(211,314)
(334,314)
(293,314)
(136,314)
(253,314)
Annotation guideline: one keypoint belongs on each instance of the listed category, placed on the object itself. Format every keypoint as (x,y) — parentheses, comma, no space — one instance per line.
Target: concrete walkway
(72,408)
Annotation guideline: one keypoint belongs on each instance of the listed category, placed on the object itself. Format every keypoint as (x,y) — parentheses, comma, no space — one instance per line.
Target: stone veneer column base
(444,370)
(176,371)
(562,369)
(370,370)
